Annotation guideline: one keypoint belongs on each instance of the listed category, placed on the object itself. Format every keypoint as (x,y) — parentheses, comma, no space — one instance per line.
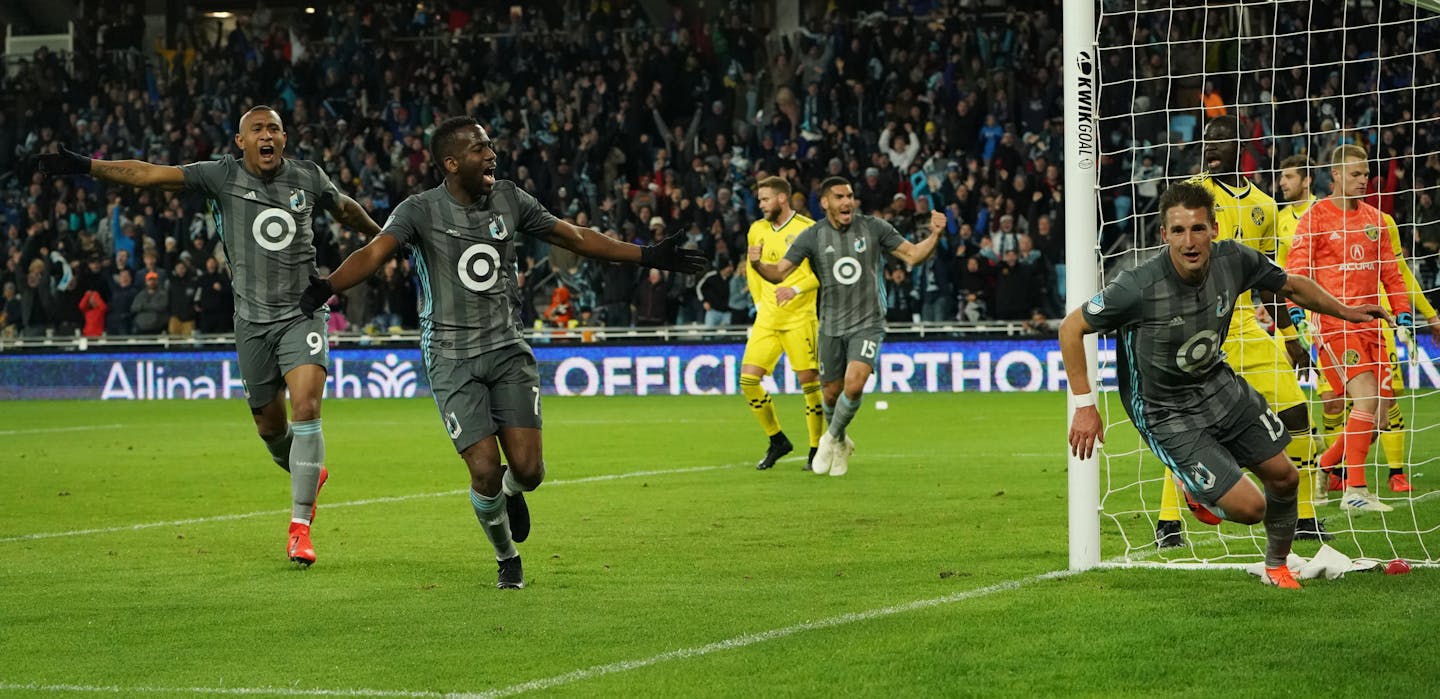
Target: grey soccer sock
(1280,514)
(829,410)
(490,510)
(307,456)
(280,448)
(845,410)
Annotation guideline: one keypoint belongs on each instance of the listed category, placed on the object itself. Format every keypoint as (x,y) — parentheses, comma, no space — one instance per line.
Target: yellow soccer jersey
(799,310)
(1412,285)
(1247,215)
(1285,225)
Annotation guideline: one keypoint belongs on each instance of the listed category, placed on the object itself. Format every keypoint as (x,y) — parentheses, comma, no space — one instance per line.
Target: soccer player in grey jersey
(847,252)
(1171,314)
(482,373)
(263,205)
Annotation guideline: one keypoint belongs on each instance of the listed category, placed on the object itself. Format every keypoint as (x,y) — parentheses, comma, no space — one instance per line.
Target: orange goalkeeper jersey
(1349,254)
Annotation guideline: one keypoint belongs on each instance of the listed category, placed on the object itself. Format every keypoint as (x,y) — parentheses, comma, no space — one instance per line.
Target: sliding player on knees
(482,373)
(1201,419)
(1247,215)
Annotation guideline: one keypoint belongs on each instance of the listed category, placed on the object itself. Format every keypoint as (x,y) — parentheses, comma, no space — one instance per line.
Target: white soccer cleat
(824,454)
(1362,500)
(841,466)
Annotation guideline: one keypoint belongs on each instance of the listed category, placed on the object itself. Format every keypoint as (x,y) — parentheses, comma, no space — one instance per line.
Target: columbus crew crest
(1372,232)
(1257,215)
(1351,357)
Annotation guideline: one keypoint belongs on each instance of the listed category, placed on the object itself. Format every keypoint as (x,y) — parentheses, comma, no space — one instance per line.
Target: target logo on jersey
(274,229)
(1198,352)
(479,267)
(847,270)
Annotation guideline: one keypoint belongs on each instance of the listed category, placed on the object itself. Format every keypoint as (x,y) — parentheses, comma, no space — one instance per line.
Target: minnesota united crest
(497,228)
(297,200)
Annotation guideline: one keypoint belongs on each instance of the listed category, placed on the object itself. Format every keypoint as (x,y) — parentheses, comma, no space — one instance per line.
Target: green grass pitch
(141,555)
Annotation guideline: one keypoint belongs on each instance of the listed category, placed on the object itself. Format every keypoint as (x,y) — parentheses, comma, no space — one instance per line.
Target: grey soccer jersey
(1171,369)
(265,226)
(849,264)
(465,259)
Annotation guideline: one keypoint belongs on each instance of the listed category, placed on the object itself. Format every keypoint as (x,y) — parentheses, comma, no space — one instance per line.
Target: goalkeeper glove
(64,162)
(1405,320)
(667,254)
(1302,326)
(315,295)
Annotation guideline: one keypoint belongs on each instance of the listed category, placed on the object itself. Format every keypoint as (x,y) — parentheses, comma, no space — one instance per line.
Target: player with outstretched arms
(482,373)
(1171,315)
(785,321)
(263,205)
(1247,215)
(847,252)
(1340,244)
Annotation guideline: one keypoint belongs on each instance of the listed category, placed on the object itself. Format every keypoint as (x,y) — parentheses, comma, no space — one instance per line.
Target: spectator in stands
(216,299)
(120,320)
(714,292)
(37,299)
(899,296)
(742,307)
(183,293)
(151,307)
(11,311)
(93,308)
(652,305)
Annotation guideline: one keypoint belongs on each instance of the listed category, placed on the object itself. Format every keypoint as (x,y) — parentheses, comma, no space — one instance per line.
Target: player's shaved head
(264,109)
(450,138)
(1188,195)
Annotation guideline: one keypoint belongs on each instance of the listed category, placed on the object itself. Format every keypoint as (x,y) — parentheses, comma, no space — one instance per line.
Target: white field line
(47,430)
(351,503)
(581,675)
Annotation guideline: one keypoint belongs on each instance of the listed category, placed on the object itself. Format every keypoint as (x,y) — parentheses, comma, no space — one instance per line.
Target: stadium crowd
(634,128)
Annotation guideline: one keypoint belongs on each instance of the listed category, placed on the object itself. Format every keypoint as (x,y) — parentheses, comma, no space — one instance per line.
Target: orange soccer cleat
(299,549)
(1399,483)
(1336,482)
(1280,577)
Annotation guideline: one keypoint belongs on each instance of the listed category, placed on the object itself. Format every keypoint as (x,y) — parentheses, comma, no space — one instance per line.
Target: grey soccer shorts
(268,351)
(1209,461)
(836,353)
(479,395)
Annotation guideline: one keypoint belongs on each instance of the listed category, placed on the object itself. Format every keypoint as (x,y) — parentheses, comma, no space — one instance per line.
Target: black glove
(667,254)
(64,162)
(315,295)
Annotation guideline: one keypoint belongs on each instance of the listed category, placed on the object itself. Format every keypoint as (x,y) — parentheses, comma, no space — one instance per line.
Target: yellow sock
(1392,439)
(760,403)
(1330,427)
(814,412)
(1169,500)
(1302,453)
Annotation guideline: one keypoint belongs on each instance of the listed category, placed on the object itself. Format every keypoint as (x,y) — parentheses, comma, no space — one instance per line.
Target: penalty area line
(351,503)
(49,430)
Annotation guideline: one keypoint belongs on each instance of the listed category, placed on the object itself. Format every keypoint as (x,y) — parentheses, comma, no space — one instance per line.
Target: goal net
(1302,77)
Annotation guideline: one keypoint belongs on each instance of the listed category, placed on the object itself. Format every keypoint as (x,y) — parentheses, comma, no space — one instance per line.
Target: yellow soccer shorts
(1397,372)
(798,343)
(1260,359)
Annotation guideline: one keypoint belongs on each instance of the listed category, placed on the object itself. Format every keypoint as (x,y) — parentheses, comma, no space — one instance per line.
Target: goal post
(1082,149)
